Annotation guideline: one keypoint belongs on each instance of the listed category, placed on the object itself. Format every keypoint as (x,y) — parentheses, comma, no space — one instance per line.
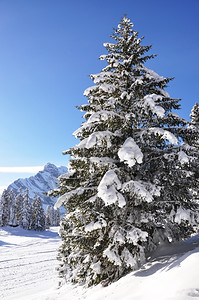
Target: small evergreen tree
(38,216)
(8,208)
(130,178)
(12,214)
(56,217)
(3,218)
(52,216)
(48,221)
(26,213)
(5,208)
(19,206)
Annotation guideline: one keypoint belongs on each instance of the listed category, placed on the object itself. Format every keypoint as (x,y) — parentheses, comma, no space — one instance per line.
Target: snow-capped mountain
(41,183)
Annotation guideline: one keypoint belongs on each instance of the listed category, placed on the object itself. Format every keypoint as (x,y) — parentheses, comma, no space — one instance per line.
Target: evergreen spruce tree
(5,208)
(26,213)
(12,210)
(56,217)
(3,218)
(52,216)
(1,211)
(19,206)
(48,221)
(130,178)
(38,216)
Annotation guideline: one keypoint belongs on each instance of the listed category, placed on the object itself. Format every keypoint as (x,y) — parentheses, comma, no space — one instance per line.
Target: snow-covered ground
(28,262)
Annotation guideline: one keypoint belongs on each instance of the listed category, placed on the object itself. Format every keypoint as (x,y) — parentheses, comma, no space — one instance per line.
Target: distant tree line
(17,210)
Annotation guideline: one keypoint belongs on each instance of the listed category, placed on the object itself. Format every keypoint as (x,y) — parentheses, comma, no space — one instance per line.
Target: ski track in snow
(24,267)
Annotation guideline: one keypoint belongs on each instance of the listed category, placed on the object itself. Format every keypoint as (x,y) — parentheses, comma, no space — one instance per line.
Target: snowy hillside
(42,182)
(28,262)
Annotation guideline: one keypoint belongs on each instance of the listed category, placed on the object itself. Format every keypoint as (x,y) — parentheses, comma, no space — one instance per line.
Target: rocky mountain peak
(40,183)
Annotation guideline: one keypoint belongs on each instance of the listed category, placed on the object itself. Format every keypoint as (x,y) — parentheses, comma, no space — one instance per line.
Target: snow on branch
(183,158)
(144,191)
(182,215)
(135,235)
(128,258)
(164,134)
(150,74)
(96,267)
(130,153)
(107,88)
(108,189)
(89,90)
(96,225)
(101,77)
(103,115)
(103,56)
(112,255)
(103,161)
(149,101)
(64,198)
(117,259)
(85,126)
(99,138)
(108,45)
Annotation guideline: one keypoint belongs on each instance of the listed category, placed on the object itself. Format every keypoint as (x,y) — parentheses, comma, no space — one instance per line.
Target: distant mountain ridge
(40,183)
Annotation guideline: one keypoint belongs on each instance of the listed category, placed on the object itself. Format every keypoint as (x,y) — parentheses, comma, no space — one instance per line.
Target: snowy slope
(28,261)
(42,182)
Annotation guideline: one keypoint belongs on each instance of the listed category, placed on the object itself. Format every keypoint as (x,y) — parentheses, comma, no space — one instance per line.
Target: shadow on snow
(18,231)
(169,256)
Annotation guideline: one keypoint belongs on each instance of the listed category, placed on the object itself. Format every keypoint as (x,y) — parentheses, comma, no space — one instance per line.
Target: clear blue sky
(48,48)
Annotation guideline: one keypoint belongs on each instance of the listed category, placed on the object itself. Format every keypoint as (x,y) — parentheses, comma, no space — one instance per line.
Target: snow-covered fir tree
(56,217)
(16,210)
(19,206)
(3,218)
(48,220)
(12,213)
(38,215)
(130,179)
(52,216)
(8,208)
(5,208)
(26,213)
